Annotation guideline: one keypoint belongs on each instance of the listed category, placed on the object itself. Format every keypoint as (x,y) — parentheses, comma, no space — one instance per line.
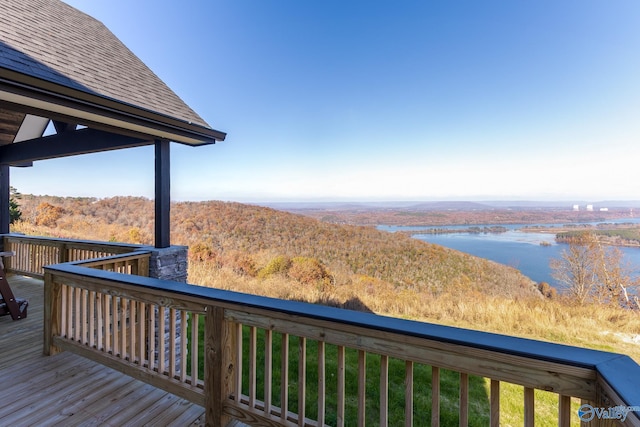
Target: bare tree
(576,269)
(592,273)
(615,281)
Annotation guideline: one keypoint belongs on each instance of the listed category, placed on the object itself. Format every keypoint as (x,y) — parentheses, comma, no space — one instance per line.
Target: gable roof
(57,59)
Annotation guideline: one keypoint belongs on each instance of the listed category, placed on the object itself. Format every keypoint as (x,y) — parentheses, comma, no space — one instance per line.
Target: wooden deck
(70,390)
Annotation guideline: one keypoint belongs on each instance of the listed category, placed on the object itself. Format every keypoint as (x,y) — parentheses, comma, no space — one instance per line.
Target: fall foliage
(258,242)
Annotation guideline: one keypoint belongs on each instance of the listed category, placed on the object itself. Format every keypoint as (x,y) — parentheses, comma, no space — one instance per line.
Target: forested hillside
(248,238)
(264,251)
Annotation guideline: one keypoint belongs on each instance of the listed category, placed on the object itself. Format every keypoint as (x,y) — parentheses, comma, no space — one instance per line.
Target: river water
(515,248)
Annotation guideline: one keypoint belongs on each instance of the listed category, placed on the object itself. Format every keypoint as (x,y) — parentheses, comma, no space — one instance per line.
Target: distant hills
(450,205)
(442,213)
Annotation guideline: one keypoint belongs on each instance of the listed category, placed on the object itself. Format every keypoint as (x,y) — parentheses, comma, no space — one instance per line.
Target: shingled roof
(56,59)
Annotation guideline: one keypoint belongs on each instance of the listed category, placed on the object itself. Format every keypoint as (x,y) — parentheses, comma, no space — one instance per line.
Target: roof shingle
(52,41)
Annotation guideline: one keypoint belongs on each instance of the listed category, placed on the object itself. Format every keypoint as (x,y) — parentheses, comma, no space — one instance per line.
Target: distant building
(590,208)
(576,208)
(604,209)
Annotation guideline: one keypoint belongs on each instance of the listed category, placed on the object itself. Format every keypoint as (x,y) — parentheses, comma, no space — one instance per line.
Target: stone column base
(169,263)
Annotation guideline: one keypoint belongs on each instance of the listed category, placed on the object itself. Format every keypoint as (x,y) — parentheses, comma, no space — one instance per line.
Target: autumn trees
(593,273)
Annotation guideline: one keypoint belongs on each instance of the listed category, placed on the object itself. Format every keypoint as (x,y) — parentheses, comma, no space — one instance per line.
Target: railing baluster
(495,403)
(153,337)
(142,332)
(408,393)
(253,355)
(84,316)
(384,390)
(564,411)
(107,323)
(92,318)
(529,408)
(464,400)
(123,328)
(341,388)
(161,340)
(362,385)
(195,318)
(32,259)
(64,310)
(96,321)
(132,330)
(183,346)
(172,343)
(100,324)
(115,325)
(321,382)
(435,396)
(284,378)
(77,314)
(302,379)
(268,370)
(70,306)
(238,371)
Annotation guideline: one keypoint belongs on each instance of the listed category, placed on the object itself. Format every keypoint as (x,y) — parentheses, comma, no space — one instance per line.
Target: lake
(514,248)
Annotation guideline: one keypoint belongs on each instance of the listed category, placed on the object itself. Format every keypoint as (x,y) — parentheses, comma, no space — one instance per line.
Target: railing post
(52,303)
(219,367)
(63,255)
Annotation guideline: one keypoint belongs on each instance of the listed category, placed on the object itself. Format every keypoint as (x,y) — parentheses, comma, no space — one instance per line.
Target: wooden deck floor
(69,390)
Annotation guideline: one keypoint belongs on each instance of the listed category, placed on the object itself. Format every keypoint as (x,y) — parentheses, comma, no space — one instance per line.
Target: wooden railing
(274,362)
(135,263)
(33,253)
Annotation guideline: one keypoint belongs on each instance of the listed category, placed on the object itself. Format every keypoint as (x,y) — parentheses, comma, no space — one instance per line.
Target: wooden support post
(220,340)
(163,194)
(52,314)
(5,218)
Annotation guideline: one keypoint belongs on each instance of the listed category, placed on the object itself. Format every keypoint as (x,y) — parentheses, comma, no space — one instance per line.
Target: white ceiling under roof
(32,127)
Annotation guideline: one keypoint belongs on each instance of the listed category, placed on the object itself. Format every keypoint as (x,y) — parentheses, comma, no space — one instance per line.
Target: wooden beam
(10,122)
(71,143)
(163,194)
(62,127)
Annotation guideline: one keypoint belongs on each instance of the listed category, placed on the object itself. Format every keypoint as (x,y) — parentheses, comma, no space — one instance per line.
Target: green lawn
(511,395)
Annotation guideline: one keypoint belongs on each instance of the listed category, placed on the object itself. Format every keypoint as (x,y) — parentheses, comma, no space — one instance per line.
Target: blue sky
(381,100)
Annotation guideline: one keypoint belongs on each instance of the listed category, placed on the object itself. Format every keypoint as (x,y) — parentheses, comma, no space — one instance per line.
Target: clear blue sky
(381,100)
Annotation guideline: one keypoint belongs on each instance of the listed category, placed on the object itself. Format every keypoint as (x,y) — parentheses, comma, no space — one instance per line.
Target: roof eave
(88,108)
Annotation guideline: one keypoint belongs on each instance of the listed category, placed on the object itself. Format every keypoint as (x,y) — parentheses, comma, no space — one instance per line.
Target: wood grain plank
(435,396)
(408,393)
(529,407)
(494,403)
(464,399)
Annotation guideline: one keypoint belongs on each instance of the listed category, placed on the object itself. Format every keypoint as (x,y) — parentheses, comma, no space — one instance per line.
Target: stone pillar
(169,263)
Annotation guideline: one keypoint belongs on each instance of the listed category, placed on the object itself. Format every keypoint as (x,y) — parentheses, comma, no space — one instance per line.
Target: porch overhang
(35,96)
(60,65)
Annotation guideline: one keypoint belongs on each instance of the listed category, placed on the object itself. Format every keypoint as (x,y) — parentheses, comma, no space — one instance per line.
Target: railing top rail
(621,370)
(117,245)
(99,260)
